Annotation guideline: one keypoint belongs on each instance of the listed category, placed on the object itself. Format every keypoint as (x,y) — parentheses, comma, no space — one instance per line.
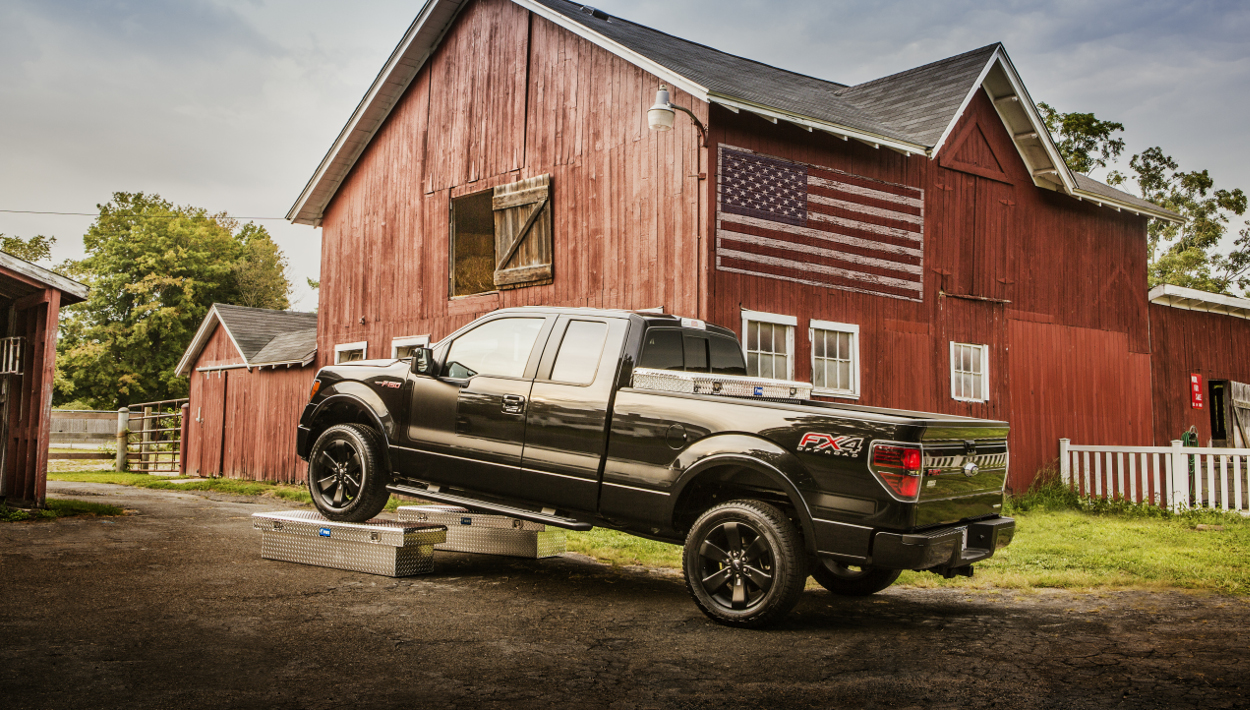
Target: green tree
(34,249)
(1085,142)
(154,270)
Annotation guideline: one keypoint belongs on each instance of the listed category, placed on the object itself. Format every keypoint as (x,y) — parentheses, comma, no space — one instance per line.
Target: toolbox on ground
(487,534)
(385,547)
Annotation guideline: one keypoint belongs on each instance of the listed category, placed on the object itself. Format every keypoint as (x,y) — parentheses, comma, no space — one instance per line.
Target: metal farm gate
(154,436)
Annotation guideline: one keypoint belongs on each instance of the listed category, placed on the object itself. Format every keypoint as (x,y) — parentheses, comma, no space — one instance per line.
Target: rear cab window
(691,350)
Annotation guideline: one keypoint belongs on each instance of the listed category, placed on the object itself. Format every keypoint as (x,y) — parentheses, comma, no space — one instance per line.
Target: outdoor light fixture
(660,116)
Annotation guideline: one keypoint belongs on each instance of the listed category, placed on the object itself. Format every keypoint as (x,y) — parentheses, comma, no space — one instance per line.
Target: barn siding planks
(1055,269)
(626,200)
(1189,342)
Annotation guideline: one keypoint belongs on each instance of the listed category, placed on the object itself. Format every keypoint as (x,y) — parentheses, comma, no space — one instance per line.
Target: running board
(475,504)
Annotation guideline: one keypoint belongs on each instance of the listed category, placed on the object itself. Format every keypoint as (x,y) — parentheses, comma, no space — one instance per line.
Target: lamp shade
(660,116)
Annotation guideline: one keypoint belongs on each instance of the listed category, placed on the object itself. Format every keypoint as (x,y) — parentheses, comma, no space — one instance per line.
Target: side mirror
(423,362)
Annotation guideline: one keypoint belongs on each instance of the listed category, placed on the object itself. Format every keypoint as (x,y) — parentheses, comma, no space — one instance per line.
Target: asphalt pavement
(171,606)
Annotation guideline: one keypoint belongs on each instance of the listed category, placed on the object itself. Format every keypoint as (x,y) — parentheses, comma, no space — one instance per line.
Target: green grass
(618,548)
(57,508)
(230,486)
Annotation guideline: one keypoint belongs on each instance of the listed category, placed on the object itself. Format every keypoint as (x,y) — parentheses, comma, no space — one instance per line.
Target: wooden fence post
(1065,463)
(1179,495)
(182,440)
(123,430)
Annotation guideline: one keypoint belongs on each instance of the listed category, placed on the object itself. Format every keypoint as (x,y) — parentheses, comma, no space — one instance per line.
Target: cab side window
(500,348)
(580,350)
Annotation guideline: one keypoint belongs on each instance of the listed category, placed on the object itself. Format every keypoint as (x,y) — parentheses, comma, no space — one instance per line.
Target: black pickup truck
(647,423)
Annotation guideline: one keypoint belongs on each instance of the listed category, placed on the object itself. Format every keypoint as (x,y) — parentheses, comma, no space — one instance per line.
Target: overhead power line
(96,214)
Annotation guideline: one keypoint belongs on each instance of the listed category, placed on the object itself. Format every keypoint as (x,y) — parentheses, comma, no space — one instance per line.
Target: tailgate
(964,470)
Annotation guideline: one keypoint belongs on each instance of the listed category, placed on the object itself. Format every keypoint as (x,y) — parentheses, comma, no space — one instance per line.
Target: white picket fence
(1159,474)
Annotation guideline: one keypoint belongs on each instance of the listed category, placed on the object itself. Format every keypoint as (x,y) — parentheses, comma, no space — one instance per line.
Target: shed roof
(1191,299)
(262,336)
(912,111)
(22,278)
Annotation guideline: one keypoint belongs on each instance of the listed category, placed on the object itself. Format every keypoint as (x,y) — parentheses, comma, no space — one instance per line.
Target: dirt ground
(172,607)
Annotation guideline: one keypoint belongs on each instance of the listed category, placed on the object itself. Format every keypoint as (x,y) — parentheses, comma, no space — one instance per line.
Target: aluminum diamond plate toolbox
(728,385)
(487,534)
(376,546)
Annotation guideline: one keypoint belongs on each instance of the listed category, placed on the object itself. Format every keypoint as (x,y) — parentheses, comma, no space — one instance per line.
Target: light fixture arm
(697,123)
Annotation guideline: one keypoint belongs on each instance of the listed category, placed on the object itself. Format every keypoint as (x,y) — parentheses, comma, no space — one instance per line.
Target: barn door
(211,422)
(523,228)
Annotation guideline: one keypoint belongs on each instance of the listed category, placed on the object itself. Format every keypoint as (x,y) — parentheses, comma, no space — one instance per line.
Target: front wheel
(744,563)
(849,581)
(346,473)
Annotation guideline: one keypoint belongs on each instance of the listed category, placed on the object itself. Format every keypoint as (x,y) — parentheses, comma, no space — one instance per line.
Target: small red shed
(250,374)
(30,307)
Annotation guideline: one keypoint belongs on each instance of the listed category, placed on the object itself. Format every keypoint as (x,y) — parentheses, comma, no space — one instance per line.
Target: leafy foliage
(154,271)
(34,249)
(1187,254)
(1085,142)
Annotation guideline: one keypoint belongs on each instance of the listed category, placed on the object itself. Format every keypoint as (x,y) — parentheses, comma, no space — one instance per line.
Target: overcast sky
(231,104)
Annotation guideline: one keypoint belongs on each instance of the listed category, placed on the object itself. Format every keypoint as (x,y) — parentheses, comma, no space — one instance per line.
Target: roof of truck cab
(650,318)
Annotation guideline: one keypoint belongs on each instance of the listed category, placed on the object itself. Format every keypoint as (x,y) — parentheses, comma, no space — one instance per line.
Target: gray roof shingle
(295,346)
(255,328)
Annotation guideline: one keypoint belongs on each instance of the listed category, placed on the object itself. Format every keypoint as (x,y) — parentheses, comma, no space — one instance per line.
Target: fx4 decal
(829,445)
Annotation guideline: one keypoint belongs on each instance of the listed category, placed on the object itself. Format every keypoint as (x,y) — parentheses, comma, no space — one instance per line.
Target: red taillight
(898,468)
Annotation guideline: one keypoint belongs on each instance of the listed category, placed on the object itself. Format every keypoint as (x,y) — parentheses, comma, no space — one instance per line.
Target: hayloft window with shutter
(502,238)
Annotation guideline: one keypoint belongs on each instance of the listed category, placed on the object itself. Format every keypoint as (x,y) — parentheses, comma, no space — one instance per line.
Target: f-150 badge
(829,445)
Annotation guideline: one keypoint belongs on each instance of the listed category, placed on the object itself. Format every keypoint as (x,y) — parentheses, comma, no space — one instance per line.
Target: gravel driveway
(172,607)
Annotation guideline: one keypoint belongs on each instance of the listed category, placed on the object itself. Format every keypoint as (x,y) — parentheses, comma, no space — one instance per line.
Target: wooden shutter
(523,255)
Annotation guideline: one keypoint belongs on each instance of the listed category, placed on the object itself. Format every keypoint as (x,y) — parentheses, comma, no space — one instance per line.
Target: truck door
(467,427)
(566,427)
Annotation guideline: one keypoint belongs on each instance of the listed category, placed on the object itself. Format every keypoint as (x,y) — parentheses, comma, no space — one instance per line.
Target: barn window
(835,358)
(502,238)
(768,341)
(970,372)
(402,347)
(347,352)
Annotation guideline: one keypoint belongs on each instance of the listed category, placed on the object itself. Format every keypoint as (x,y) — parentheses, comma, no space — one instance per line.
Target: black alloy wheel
(744,563)
(851,581)
(346,476)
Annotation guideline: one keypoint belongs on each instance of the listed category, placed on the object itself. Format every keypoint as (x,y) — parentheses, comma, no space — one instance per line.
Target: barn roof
(263,337)
(22,278)
(911,112)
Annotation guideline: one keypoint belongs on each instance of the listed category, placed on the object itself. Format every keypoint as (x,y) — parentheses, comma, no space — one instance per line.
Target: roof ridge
(263,310)
(700,44)
(913,70)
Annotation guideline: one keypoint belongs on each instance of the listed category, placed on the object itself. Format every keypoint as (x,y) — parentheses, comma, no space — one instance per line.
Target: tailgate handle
(513,404)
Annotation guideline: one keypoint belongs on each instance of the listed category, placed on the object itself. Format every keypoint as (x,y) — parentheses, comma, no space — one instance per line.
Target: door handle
(513,404)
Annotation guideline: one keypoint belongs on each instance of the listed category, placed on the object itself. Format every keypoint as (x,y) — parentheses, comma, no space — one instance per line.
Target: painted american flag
(796,222)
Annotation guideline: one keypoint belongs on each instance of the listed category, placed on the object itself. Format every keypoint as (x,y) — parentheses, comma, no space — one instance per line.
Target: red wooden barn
(914,241)
(250,375)
(30,307)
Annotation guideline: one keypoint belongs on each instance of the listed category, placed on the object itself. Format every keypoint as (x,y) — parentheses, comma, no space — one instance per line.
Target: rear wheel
(346,473)
(744,563)
(850,581)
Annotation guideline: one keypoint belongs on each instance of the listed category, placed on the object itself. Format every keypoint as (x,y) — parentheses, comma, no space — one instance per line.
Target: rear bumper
(946,548)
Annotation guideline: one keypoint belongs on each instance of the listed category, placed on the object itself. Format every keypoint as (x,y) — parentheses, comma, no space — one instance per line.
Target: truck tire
(347,476)
(848,581)
(745,564)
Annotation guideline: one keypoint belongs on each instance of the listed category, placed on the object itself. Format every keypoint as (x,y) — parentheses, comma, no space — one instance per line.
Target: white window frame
(775,319)
(363,346)
(985,371)
(397,343)
(850,328)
